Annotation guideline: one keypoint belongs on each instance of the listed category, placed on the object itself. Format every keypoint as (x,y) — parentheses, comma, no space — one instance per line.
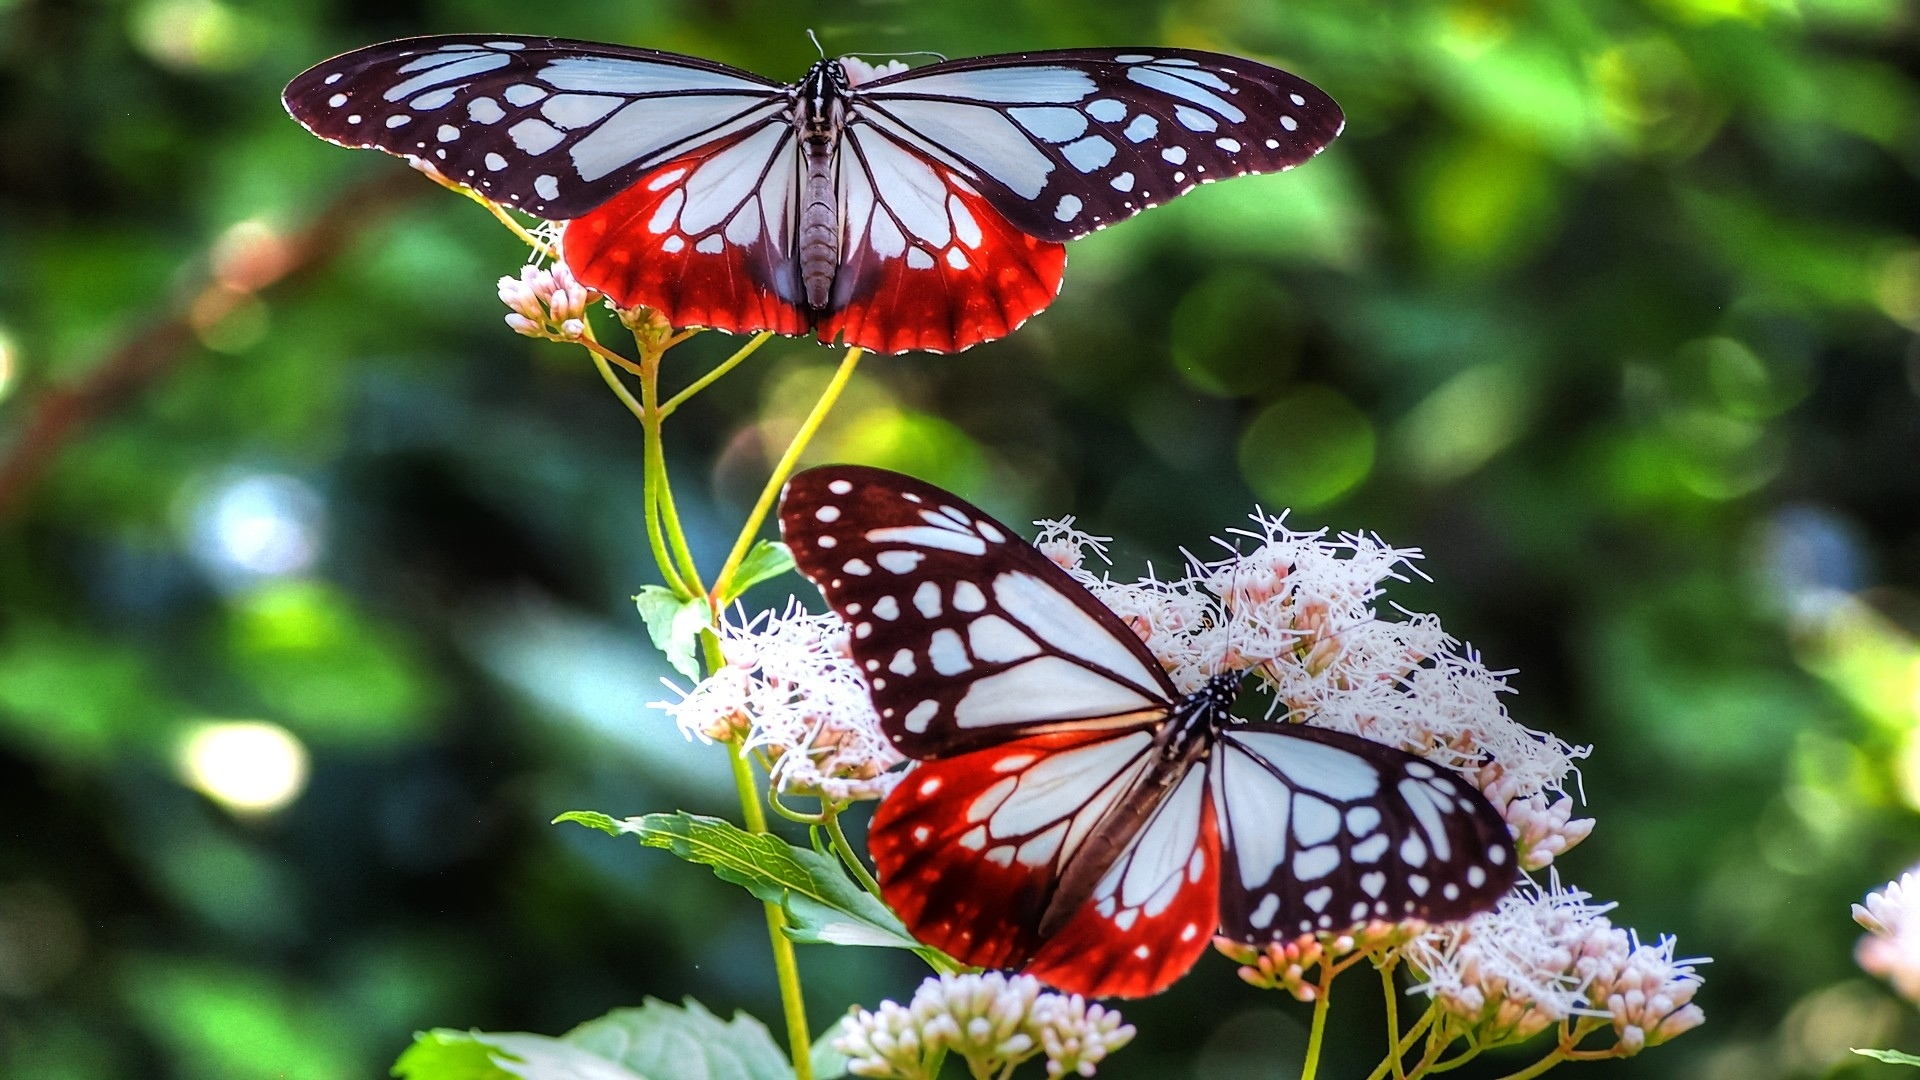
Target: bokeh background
(314,579)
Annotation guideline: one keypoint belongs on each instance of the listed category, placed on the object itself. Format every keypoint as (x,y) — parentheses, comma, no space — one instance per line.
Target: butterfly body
(1071,812)
(920,209)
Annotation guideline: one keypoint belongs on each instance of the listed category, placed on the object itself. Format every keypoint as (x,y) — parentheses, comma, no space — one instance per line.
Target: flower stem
(1394,1062)
(782,470)
(1393,1014)
(847,854)
(713,376)
(784,965)
(1316,1035)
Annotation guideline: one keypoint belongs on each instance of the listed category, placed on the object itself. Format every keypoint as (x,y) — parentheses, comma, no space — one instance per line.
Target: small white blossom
(1507,974)
(547,302)
(1647,994)
(790,687)
(1891,948)
(993,1021)
(859,71)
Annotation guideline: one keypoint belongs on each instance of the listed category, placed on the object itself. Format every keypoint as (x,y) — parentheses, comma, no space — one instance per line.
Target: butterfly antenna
(942,57)
(816,43)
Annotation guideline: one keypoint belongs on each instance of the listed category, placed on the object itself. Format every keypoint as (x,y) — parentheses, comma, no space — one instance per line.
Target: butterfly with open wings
(1072,813)
(923,209)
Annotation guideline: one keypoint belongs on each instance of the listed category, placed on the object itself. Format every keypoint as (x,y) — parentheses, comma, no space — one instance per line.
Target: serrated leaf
(674,625)
(823,906)
(671,1041)
(477,1055)
(767,559)
(1891,1057)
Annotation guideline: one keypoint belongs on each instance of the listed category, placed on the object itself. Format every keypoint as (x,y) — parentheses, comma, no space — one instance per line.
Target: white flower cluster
(791,688)
(1302,610)
(993,1021)
(1891,947)
(1544,955)
(547,302)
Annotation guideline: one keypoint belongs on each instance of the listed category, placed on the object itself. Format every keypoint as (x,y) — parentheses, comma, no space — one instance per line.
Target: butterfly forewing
(967,635)
(1322,830)
(551,126)
(1069,141)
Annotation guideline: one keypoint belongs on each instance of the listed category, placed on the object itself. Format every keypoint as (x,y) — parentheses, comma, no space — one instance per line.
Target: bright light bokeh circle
(248,766)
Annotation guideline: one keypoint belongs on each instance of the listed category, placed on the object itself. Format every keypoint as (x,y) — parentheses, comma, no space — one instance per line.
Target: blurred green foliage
(1609,306)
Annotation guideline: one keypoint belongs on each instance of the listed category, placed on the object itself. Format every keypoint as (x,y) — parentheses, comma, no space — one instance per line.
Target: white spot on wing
(946,654)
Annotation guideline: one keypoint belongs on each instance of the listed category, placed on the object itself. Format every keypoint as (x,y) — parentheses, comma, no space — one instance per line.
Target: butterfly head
(823,103)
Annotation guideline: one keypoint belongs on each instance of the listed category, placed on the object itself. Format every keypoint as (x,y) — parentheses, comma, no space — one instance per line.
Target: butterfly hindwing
(1069,141)
(550,126)
(971,857)
(967,635)
(1322,830)
(925,261)
(1154,911)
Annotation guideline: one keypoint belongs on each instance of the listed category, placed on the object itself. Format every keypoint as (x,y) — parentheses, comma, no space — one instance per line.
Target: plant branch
(713,376)
(786,967)
(1316,1036)
(783,469)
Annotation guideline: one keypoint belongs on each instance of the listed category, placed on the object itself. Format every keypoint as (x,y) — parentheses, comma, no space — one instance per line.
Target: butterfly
(921,209)
(1071,813)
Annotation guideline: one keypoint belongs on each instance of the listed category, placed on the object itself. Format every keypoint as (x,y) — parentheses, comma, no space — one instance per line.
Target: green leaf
(1891,1057)
(477,1055)
(767,559)
(675,625)
(828,1063)
(822,904)
(669,1041)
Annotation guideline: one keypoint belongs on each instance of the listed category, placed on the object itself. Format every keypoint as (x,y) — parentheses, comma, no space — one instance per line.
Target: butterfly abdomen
(820,117)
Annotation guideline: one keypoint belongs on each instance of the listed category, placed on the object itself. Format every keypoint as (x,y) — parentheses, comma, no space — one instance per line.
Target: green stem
(784,964)
(1558,1055)
(653,474)
(661,516)
(713,376)
(781,471)
(1318,1033)
(848,855)
(1393,1016)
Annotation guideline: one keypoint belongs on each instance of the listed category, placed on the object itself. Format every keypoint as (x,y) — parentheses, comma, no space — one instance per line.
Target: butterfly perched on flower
(919,209)
(1072,813)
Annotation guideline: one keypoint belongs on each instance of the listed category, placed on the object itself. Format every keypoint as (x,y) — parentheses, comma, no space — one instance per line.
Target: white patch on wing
(1315,862)
(1141,128)
(1247,794)
(1181,88)
(439,73)
(1310,766)
(433,99)
(1159,855)
(1044,688)
(534,137)
(485,110)
(644,128)
(920,715)
(948,656)
(1107,110)
(968,597)
(1062,784)
(1040,850)
(1042,85)
(929,537)
(1089,153)
(572,111)
(721,183)
(1424,808)
(1054,618)
(1055,125)
(1314,821)
(994,640)
(899,562)
(984,138)
(523,94)
(915,194)
(926,600)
